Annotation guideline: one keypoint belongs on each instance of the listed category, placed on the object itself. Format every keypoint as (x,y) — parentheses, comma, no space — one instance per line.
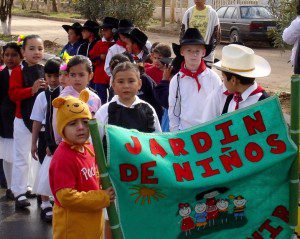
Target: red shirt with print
(72,169)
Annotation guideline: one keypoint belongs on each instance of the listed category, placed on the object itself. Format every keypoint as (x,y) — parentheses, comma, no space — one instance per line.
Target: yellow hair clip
(20,40)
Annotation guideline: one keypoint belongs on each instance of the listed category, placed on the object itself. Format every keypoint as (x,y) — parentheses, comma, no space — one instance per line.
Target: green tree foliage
(285,11)
(138,11)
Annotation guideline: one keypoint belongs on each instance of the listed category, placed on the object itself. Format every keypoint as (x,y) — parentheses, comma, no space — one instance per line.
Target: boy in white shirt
(239,66)
(190,88)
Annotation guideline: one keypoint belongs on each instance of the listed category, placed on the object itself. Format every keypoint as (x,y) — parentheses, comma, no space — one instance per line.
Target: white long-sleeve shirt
(102,114)
(291,36)
(186,103)
(113,50)
(216,101)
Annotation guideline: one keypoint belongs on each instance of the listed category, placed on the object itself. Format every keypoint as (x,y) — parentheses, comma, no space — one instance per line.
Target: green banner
(226,178)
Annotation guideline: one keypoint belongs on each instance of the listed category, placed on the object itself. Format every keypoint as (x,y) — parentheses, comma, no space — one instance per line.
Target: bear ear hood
(84,96)
(58,102)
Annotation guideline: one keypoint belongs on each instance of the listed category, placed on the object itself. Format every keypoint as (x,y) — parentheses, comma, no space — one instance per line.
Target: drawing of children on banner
(239,206)
(200,215)
(222,205)
(187,222)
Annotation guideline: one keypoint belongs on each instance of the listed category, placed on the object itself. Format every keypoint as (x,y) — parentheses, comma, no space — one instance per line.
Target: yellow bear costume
(79,200)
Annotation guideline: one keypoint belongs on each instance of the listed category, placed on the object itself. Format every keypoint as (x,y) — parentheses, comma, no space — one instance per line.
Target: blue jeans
(102,92)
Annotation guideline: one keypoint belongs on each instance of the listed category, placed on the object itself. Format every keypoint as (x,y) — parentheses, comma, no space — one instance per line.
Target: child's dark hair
(243,80)
(125,66)
(28,38)
(52,65)
(14,46)
(117,59)
(163,49)
(153,46)
(79,59)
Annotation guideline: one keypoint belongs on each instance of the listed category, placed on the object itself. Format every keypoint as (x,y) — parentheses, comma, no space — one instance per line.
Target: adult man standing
(205,19)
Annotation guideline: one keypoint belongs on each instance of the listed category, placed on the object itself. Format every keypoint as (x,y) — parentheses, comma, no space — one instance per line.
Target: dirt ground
(277,83)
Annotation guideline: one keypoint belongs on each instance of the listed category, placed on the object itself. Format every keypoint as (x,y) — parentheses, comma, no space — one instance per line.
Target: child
(42,118)
(74,176)
(12,58)
(194,82)
(124,27)
(136,45)
(155,71)
(74,38)
(25,83)
(98,55)
(80,72)
(90,36)
(63,75)
(126,109)
(239,66)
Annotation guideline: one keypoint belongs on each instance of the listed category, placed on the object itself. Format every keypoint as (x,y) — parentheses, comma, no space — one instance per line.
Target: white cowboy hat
(242,61)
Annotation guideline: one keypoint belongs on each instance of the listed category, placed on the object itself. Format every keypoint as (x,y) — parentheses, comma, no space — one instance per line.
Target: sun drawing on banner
(145,194)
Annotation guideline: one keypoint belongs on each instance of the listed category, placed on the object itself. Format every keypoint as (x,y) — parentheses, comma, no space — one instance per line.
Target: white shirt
(113,50)
(186,110)
(102,114)
(216,101)
(39,109)
(291,36)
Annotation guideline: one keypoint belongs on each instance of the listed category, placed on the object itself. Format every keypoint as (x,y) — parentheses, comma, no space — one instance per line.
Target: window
(229,12)
(251,12)
(221,11)
(234,15)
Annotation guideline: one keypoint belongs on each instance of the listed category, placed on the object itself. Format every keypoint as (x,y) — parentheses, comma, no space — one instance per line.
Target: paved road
(22,224)
(278,81)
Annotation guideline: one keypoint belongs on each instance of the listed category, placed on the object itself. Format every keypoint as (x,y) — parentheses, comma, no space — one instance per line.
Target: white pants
(22,160)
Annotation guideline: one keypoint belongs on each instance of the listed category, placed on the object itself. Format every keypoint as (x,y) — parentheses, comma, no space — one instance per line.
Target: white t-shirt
(39,109)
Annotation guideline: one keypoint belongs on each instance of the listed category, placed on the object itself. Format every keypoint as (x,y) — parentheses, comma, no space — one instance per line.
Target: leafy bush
(138,11)
(285,11)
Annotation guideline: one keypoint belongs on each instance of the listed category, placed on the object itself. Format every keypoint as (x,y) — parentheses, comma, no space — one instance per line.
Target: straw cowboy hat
(242,61)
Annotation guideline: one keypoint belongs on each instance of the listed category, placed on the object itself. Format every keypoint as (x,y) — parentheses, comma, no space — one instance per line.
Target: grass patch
(64,15)
(8,38)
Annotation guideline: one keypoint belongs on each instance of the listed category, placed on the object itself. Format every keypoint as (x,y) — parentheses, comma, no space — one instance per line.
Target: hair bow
(63,67)
(182,205)
(20,40)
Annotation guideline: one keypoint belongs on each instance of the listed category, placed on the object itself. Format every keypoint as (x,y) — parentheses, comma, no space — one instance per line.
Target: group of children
(45,109)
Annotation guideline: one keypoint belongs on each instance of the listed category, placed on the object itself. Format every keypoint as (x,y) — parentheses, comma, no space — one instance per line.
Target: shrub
(138,11)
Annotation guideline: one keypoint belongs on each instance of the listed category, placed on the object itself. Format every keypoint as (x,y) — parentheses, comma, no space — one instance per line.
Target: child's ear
(91,75)
(84,96)
(58,102)
(140,84)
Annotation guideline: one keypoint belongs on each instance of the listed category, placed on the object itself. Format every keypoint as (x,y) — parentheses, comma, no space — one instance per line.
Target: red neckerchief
(120,43)
(238,98)
(194,75)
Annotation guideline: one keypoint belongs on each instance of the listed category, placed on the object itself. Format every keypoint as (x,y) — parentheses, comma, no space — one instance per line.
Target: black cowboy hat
(192,36)
(75,26)
(219,190)
(91,26)
(125,26)
(137,36)
(110,22)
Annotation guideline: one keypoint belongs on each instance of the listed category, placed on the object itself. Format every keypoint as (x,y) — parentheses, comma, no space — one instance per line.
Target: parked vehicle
(241,23)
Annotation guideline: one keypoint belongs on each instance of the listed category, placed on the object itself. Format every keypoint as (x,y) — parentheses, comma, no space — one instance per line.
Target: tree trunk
(5,28)
(163,13)
(54,6)
(172,11)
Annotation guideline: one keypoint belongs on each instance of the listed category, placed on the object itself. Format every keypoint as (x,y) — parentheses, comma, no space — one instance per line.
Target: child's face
(126,84)
(230,84)
(77,131)
(79,77)
(122,37)
(11,58)
(86,34)
(107,33)
(156,60)
(52,80)
(72,37)
(63,79)
(129,45)
(192,54)
(33,51)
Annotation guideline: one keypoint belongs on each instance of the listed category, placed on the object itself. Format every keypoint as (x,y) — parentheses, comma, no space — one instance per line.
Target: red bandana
(120,43)
(194,75)
(238,98)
